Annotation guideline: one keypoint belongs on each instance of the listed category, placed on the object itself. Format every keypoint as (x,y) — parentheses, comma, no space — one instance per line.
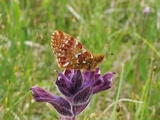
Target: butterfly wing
(70,53)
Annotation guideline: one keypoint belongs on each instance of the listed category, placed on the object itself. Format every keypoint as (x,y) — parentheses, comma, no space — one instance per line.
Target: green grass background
(26,58)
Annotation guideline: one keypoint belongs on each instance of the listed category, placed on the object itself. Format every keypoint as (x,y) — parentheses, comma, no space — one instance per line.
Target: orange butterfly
(71,54)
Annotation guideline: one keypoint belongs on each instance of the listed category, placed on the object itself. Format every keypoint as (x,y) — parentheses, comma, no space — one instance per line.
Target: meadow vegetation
(129,38)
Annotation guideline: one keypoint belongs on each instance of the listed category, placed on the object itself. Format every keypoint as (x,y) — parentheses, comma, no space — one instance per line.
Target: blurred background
(133,52)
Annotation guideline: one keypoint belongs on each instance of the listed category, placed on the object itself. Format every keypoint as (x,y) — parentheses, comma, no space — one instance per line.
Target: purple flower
(146,10)
(77,89)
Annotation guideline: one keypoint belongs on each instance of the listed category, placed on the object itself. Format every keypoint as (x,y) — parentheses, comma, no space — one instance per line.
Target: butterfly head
(99,58)
(92,63)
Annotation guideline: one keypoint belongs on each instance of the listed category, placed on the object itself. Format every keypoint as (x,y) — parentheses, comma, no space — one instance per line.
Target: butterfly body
(71,54)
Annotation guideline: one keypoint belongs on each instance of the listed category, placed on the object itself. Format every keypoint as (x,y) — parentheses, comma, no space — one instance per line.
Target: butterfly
(71,54)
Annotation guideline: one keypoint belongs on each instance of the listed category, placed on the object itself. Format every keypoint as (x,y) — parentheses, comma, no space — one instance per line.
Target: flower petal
(79,108)
(98,78)
(64,85)
(103,83)
(69,73)
(89,78)
(83,96)
(77,80)
(60,104)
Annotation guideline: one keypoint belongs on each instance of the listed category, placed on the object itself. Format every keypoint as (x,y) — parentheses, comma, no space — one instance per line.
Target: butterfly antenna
(105,48)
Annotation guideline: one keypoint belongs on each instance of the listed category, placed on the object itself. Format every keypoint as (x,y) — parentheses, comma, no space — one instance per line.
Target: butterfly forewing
(71,54)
